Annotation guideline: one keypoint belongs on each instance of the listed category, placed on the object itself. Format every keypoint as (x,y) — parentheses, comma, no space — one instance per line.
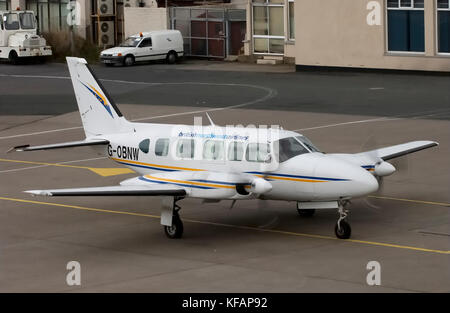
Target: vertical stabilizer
(98,111)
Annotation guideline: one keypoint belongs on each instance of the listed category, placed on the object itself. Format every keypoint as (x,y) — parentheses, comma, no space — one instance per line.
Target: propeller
(380,168)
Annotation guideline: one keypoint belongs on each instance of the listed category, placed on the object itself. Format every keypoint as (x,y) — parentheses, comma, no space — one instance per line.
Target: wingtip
(38,192)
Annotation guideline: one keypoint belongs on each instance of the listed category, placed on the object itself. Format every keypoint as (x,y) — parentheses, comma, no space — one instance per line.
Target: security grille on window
(443,25)
(4,5)
(268,26)
(406,25)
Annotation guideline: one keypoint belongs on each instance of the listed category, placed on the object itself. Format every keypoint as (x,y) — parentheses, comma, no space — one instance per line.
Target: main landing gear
(174,228)
(342,228)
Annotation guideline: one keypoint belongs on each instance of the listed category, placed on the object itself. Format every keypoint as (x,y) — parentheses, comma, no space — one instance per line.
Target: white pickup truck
(155,45)
(18,37)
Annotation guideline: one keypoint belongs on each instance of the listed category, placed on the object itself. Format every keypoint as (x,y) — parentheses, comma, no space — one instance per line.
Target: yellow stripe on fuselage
(157,165)
(188,182)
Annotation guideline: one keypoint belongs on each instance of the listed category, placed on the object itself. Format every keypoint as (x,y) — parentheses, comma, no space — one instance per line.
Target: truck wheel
(171,57)
(128,60)
(13,57)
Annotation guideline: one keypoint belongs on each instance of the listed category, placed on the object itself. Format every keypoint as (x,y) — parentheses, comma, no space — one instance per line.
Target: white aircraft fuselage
(310,176)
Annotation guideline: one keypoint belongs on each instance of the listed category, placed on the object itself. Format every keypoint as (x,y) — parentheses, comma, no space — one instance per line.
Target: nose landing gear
(342,228)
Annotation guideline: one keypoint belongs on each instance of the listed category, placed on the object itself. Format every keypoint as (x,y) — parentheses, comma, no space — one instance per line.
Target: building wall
(144,19)
(335,33)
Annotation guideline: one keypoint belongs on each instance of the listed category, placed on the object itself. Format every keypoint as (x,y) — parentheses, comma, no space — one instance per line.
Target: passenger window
(258,152)
(162,147)
(213,150)
(235,151)
(185,148)
(144,145)
(146,42)
(287,148)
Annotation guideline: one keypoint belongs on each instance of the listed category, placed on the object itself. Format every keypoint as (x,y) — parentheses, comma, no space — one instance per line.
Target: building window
(268,26)
(5,5)
(51,14)
(291,20)
(406,25)
(443,26)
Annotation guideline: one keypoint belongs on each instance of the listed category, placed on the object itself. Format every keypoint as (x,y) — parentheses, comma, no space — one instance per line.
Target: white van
(155,45)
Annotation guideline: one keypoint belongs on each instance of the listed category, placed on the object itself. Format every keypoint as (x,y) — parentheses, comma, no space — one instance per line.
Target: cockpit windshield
(307,143)
(131,42)
(26,20)
(11,21)
(287,148)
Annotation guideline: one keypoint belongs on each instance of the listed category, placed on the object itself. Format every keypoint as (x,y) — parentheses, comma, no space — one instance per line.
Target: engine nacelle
(260,186)
(384,169)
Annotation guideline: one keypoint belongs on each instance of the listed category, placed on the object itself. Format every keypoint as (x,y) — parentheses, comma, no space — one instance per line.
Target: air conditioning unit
(105,7)
(106,33)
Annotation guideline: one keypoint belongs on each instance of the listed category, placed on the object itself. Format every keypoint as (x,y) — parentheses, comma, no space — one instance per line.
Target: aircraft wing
(396,151)
(127,190)
(86,142)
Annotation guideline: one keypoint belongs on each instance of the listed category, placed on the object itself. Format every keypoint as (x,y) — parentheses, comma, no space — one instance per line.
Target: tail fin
(98,111)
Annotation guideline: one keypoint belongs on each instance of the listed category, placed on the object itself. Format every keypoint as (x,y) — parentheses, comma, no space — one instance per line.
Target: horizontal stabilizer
(70,144)
(112,191)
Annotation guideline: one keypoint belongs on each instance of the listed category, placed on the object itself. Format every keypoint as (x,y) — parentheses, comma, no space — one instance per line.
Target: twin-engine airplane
(216,163)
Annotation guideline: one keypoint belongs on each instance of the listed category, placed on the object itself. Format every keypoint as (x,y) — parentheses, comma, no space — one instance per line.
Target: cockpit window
(288,148)
(11,21)
(26,20)
(307,143)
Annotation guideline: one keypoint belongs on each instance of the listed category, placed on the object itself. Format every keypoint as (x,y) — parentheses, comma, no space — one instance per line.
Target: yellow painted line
(156,165)
(412,200)
(97,170)
(372,243)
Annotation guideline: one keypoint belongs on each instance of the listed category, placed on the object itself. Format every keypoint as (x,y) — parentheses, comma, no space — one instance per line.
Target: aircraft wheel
(344,231)
(306,212)
(176,230)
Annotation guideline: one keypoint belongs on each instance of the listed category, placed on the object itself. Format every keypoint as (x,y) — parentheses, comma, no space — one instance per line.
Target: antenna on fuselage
(210,120)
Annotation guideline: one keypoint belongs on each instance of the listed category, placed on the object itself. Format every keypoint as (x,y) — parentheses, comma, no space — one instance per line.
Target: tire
(13,57)
(171,57)
(128,60)
(306,212)
(176,230)
(345,231)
